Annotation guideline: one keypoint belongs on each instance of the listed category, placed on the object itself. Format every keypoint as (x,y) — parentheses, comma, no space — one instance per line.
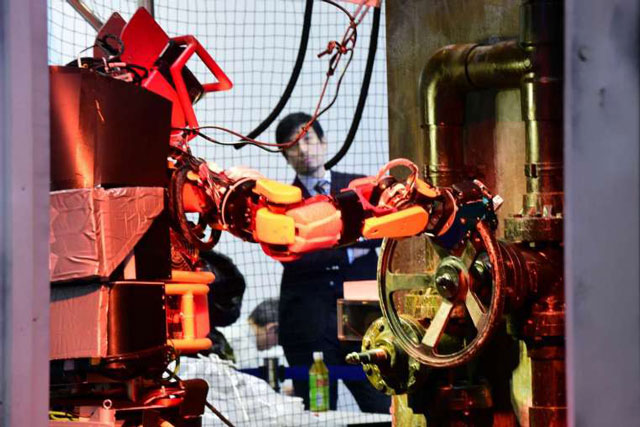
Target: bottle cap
(317,355)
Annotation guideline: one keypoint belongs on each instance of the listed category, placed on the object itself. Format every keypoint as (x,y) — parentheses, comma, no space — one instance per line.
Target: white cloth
(243,342)
(248,401)
(241,398)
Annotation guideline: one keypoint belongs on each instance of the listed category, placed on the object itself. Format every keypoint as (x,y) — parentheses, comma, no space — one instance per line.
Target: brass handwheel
(469,282)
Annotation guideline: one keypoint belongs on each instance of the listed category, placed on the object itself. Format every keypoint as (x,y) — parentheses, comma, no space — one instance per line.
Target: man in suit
(311,285)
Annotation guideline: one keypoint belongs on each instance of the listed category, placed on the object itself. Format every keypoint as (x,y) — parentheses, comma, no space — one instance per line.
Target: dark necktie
(322,187)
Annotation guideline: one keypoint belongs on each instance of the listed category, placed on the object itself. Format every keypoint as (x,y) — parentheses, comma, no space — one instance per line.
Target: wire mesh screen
(256,43)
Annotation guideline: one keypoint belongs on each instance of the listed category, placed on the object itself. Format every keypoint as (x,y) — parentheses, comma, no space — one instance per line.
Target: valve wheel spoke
(438,324)
(468,256)
(464,273)
(476,309)
(408,281)
(434,252)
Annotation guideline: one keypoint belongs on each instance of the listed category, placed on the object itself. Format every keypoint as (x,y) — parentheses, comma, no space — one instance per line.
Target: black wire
(134,68)
(139,72)
(206,403)
(206,137)
(286,95)
(338,84)
(334,4)
(292,81)
(364,91)
(218,413)
(260,146)
(103,43)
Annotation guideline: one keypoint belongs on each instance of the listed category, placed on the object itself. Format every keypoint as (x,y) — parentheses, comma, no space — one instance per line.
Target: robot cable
(334,48)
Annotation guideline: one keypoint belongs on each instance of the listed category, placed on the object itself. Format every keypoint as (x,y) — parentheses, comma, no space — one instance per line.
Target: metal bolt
(481,272)
(447,282)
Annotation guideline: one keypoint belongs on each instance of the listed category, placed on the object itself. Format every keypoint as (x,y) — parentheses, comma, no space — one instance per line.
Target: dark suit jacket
(311,285)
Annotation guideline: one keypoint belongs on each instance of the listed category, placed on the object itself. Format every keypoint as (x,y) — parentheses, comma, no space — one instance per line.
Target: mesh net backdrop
(256,43)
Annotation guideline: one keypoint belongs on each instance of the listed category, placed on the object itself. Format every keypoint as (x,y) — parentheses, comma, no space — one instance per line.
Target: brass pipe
(497,66)
(541,94)
(541,36)
(443,83)
(534,64)
(447,77)
(542,100)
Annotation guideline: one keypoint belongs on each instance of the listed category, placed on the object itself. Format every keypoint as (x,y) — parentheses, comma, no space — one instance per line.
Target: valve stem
(375,355)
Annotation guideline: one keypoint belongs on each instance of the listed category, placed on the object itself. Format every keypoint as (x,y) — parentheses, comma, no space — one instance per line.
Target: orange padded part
(318,225)
(191,345)
(191,287)
(408,222)
(274,228)
(426,189)
(277,192)
(186,288)
(182,276)
(318,214)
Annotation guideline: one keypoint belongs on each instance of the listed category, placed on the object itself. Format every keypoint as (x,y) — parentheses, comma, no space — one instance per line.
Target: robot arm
(286,225)
(270,213)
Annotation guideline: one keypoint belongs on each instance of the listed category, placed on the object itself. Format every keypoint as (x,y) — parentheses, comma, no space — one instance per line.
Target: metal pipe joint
(447,77)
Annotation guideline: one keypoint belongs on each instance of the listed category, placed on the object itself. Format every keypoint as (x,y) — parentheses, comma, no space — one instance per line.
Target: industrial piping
(451,73)
(534,63)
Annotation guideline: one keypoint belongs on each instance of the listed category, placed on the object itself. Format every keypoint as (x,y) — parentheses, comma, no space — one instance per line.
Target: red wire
(350,36)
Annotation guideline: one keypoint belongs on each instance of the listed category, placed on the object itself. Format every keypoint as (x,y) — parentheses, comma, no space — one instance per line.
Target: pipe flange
(399,373)
(467,397)
(545,324)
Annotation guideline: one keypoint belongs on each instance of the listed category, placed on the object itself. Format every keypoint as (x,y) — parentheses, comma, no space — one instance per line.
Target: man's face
(266,336)
(309,154)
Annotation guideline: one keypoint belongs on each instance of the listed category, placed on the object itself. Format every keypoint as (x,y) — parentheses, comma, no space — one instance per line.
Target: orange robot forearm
(371,207)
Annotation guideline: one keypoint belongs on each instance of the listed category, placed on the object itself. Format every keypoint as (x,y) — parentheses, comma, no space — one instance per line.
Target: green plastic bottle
(318,384)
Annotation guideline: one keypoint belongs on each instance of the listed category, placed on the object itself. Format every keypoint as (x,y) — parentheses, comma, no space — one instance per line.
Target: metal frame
(602,233)
(89,16)
(94,20)
(24,213)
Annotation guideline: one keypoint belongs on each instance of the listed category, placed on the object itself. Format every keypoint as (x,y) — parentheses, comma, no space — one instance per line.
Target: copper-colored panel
(106,132)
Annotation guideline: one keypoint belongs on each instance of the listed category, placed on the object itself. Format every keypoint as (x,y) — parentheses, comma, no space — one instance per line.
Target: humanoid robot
(275,215)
